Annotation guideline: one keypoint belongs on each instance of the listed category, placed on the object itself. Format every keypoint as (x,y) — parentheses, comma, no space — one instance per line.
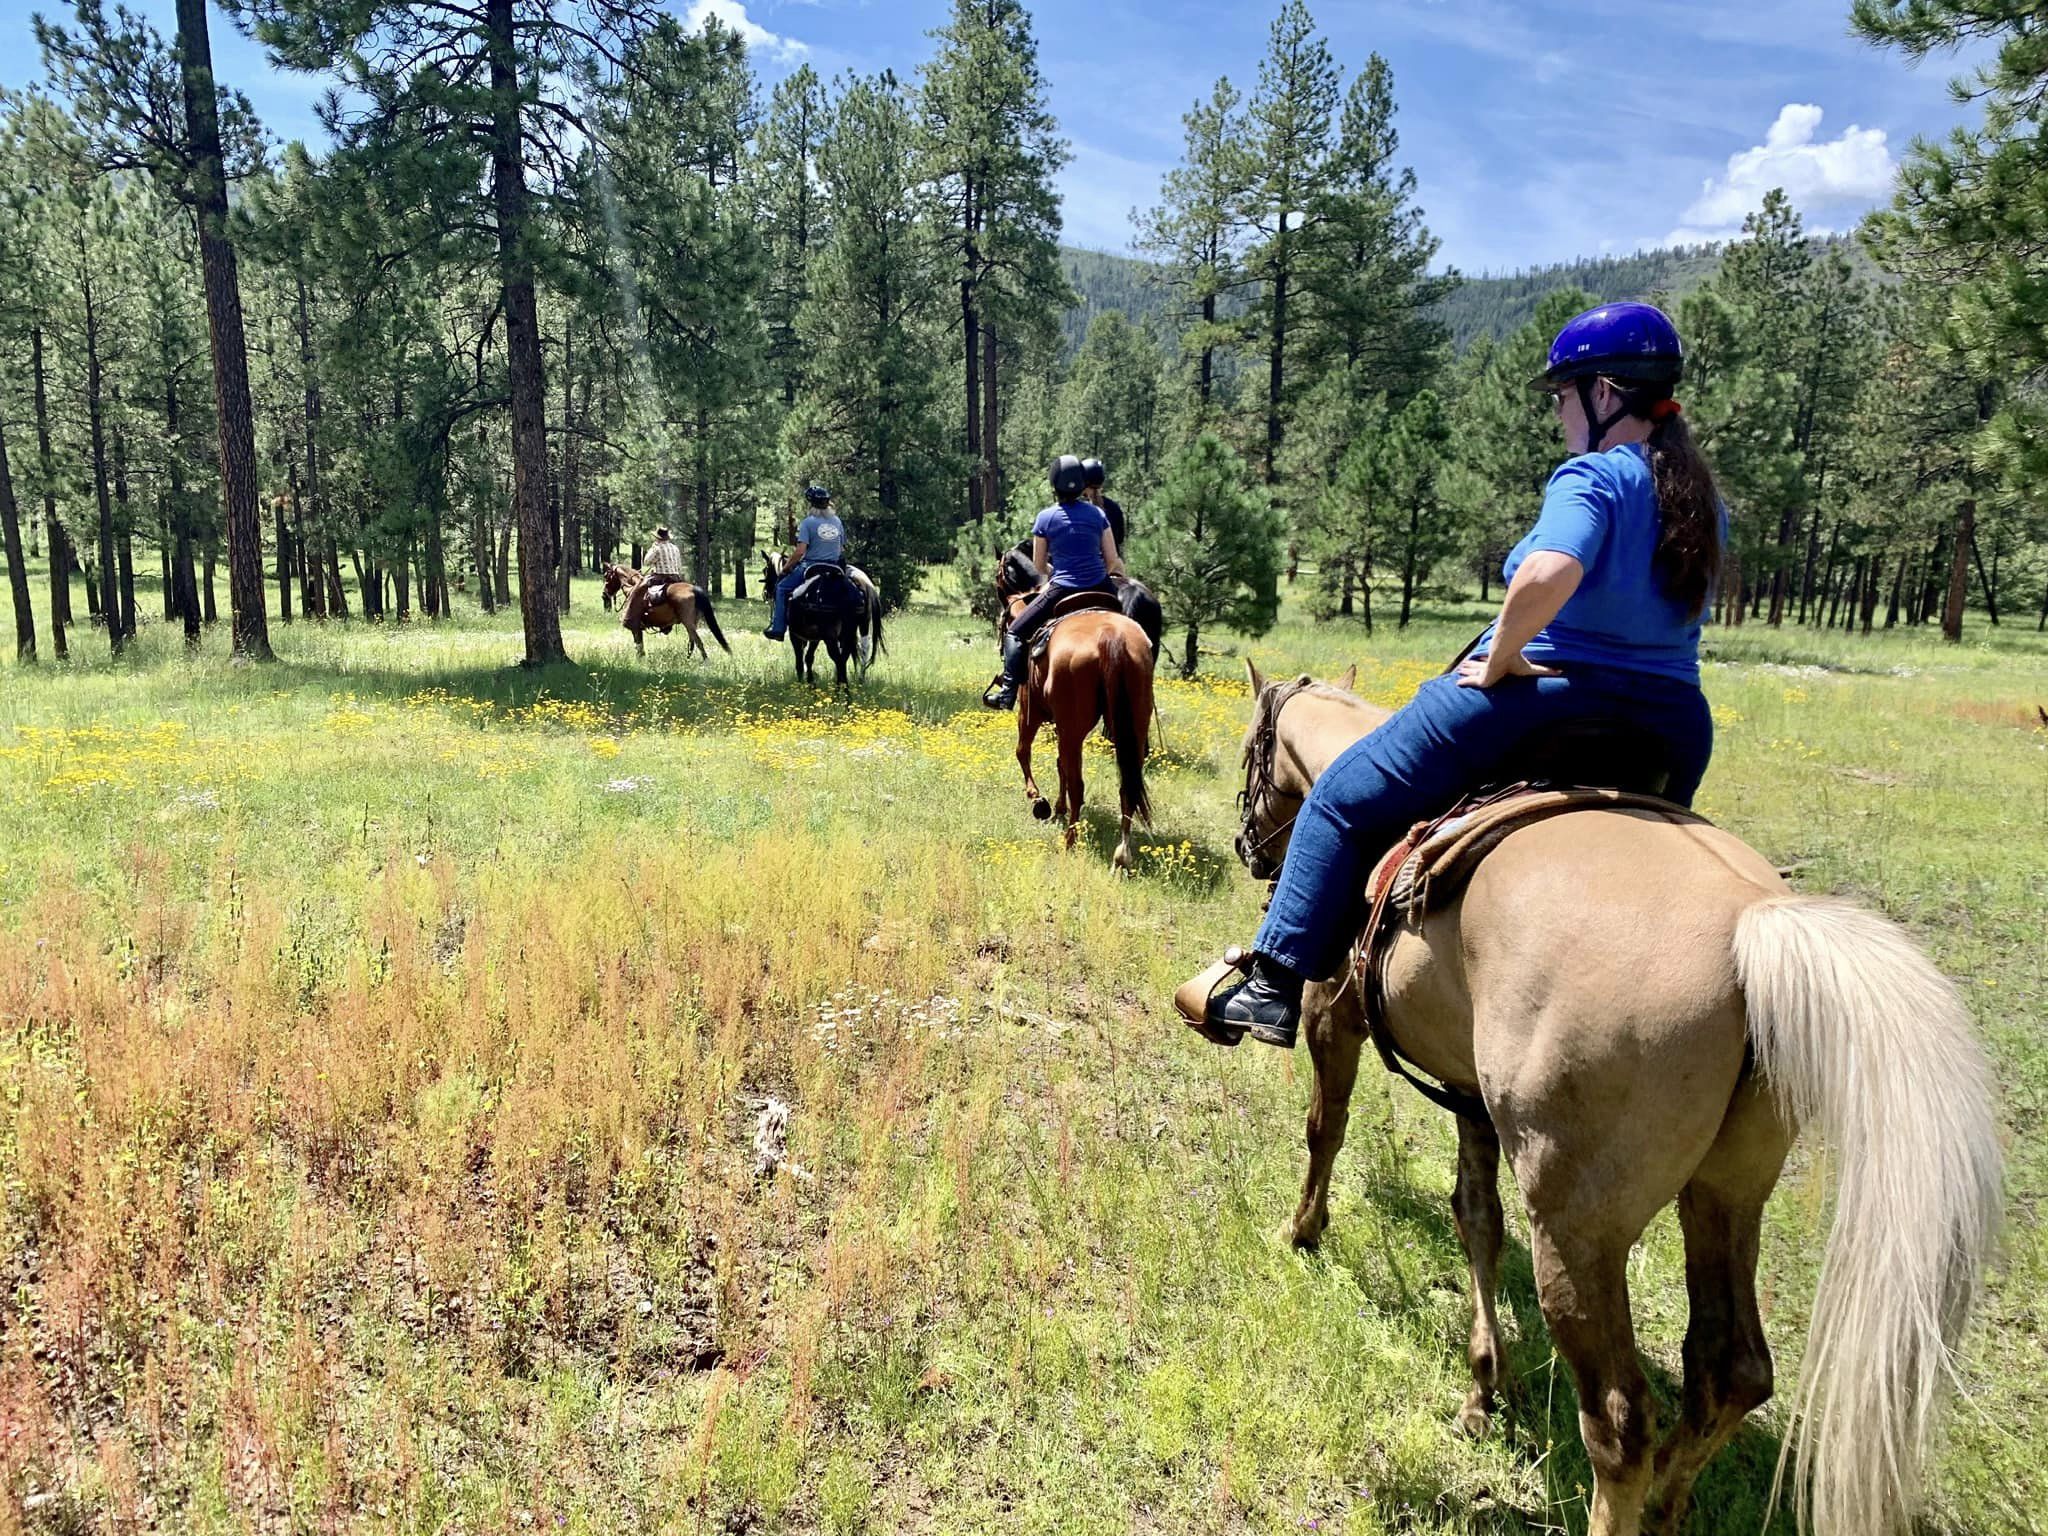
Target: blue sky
(1539,129)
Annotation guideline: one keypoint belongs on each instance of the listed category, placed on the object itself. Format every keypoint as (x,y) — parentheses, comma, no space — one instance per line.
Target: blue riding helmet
(1616,341)
(1632,344)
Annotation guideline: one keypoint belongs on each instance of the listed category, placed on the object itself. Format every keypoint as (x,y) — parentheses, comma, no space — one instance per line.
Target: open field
(382,1037)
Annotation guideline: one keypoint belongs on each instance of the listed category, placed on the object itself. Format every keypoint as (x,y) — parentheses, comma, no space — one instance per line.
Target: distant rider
(820,540)
(1094,475)
(1073,548)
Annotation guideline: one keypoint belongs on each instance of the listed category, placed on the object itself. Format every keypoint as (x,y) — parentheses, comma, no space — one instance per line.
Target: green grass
(382,1034)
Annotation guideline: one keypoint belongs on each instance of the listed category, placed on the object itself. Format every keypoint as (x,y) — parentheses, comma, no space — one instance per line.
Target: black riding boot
(1266,1004)
(1002,693)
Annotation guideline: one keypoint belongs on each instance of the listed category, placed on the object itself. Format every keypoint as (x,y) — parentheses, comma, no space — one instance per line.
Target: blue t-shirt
(1073,542)
(823,537)
(1601,509)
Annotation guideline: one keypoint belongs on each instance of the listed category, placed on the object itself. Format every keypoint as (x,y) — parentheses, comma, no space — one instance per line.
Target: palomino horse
(1097,668)
(845,633)
(681,603)
(1649,1015)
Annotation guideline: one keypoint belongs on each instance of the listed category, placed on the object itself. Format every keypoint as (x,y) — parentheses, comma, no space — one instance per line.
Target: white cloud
(732,15)
(1857,167)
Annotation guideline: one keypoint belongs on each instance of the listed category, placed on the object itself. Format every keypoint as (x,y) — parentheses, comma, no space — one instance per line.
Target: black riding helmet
(1067,476)
(1092,472)
(817,495)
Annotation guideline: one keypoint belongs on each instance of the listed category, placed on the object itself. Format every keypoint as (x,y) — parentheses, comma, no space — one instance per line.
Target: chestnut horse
(1649,1014)
(1097,668)
(681,603)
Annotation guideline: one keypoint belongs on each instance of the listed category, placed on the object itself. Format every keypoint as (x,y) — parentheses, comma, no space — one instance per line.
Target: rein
(1259,755)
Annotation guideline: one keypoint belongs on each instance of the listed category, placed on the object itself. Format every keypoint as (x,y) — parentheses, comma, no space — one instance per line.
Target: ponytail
(1688,559)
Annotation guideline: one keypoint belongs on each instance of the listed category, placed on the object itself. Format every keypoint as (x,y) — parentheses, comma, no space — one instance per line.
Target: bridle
(1261,748)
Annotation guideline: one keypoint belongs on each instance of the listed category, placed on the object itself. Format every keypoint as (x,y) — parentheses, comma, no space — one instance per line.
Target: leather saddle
(1066,608)
(827,590)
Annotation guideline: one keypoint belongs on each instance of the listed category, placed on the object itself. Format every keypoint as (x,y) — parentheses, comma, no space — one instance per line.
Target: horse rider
(1093,478)
(1601,621)
(664,565)
(820,540)
(1074,550)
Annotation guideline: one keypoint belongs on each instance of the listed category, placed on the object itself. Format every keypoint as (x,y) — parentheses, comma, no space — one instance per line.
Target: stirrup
(1191,1001)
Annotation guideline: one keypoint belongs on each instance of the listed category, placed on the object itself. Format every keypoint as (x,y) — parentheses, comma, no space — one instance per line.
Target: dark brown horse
(681,603)
(848,631)
(1097,669)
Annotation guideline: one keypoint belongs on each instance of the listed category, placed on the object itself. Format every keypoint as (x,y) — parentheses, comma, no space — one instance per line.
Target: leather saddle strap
(1372,958)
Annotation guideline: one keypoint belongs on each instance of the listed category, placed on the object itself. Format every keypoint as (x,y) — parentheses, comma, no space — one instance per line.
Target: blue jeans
(778,619)
(1448,741)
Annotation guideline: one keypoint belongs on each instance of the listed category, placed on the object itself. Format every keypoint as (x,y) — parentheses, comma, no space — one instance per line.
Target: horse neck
(1315,726)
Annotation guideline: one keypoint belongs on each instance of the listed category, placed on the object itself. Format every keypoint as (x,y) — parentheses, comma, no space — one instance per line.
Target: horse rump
(1127,712)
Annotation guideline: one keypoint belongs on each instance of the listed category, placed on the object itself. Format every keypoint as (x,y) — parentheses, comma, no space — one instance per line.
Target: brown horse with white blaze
(1097,669)
(1649,1015)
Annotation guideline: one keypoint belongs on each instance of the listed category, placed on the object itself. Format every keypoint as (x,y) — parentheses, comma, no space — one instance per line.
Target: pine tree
(1209,546)
(1289,125)
(1369,301)
(992,148)
(867,421)
(1109,408)
(191,139)
(452,109)
(1194,233)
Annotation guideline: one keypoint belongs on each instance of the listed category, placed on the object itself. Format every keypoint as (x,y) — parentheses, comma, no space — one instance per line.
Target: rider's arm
(796,553)
(1543,584)
(1110,557)
(1041,555)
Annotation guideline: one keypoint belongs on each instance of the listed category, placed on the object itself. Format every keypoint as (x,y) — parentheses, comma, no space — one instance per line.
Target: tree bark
(1989,588)
(124,526)
(225,332)
(17,563)
(46,469)
(108,597)
(1891,607)
(480,552)
(970,333)
(1191,655)
(700,495)
(1276,366)
(184,585)
(991,424)
(284,561)
(539,615)
(1959,570)
(504,573)
(209,611)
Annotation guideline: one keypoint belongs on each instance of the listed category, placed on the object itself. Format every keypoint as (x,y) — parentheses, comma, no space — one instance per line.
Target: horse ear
(1349,681)
(1251,672)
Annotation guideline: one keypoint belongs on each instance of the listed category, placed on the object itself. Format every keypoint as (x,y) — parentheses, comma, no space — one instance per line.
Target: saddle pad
(829,589)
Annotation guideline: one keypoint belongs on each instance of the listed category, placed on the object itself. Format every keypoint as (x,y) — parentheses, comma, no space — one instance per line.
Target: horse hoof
(1474,1422)
(1307,1233)
(1041,810)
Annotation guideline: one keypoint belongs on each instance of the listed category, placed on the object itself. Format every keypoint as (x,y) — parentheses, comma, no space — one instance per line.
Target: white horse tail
(1860,1036)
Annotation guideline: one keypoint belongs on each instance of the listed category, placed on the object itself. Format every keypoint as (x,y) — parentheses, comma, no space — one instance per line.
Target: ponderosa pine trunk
(539,615)
(991,423)
(60,539)
(108,605)
(124,525)
(1959,570)
(17,563)
(233,413)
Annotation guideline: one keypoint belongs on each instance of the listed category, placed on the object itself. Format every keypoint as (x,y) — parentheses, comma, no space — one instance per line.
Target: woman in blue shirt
(1601,621)
(1073,548)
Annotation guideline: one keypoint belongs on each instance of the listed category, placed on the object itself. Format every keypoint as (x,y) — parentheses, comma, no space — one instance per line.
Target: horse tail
(1127,706)
(1859,1034)
(711,620)
(875,619)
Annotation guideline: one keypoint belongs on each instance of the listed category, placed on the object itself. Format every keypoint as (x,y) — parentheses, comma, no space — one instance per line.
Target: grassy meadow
(383,1035)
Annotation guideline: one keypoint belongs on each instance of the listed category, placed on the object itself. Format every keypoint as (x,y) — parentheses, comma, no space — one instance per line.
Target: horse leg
(1727,1358)
(639,645)
(1072,734)
(1335,1032)
(1028,722)
(1476,1204)
(1582,1283)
